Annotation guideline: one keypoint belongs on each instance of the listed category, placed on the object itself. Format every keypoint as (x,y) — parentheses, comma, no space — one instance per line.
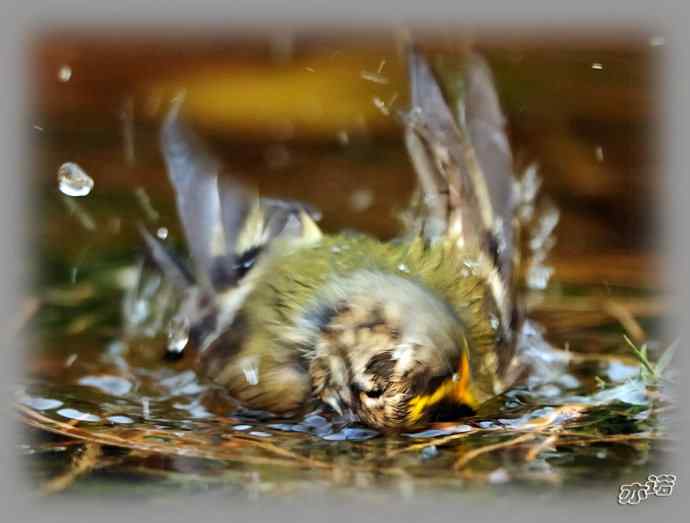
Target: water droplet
(403,268)
(178,334)
(113,385)
(310,69)
(599,153)
(343,137)
(70,360)
(139,312)
(377,78)
(287,427)
(597,66)
(120,420)
(162,233)
(40,403)
(184,383)
(38,128)
(569,381)
(547,223)
(538,277)
(381,105)
(429,452)
(472,265)
(361,199)
(315,421)
(549,391)
(73,180)
(64,73)
(499,476)
(251,371)
(194,408)
(432,433)
(493,321)
(145,408)
(78,415)
(351,434)
(619,371)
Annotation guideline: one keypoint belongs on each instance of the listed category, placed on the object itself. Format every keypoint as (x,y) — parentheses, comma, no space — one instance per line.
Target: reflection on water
(96,380)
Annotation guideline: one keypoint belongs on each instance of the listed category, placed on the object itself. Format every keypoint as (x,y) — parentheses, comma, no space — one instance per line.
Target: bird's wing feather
(221,217)
(464,167)
(193,173)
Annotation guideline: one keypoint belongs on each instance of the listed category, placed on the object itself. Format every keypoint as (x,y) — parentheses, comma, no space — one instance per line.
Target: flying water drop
(64,73)
(73,180)
(178,334)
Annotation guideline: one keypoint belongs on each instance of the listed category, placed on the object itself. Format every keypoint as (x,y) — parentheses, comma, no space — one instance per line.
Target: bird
(392,334)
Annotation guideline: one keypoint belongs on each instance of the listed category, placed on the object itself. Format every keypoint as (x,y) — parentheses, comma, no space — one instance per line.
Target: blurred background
(314,116)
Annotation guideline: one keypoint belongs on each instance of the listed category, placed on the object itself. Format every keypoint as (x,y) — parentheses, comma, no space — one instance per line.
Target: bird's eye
(374,393)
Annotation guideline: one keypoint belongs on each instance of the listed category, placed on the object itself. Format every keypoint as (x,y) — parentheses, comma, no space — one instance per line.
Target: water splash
(182,384)
(260,434)
(538,276)
(40,403)
(112,385)
(78,415)
(352,434)
(120,420)
(377,77)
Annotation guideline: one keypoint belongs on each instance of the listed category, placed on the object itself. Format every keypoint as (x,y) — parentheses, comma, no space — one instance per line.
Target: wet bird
(393,334)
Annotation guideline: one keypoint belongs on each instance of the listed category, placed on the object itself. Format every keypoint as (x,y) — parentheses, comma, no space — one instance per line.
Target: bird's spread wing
(228,229)
(224,220)
(465,170)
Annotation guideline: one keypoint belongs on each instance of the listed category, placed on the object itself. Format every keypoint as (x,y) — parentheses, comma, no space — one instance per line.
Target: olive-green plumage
(290,286)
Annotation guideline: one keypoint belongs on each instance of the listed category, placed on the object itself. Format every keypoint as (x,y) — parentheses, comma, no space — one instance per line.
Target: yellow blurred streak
(310,97)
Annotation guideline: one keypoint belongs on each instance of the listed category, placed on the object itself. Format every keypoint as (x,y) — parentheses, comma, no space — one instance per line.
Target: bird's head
(388,351)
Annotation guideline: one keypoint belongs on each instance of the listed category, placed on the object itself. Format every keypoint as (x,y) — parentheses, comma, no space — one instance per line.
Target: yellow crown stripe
(457,391)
